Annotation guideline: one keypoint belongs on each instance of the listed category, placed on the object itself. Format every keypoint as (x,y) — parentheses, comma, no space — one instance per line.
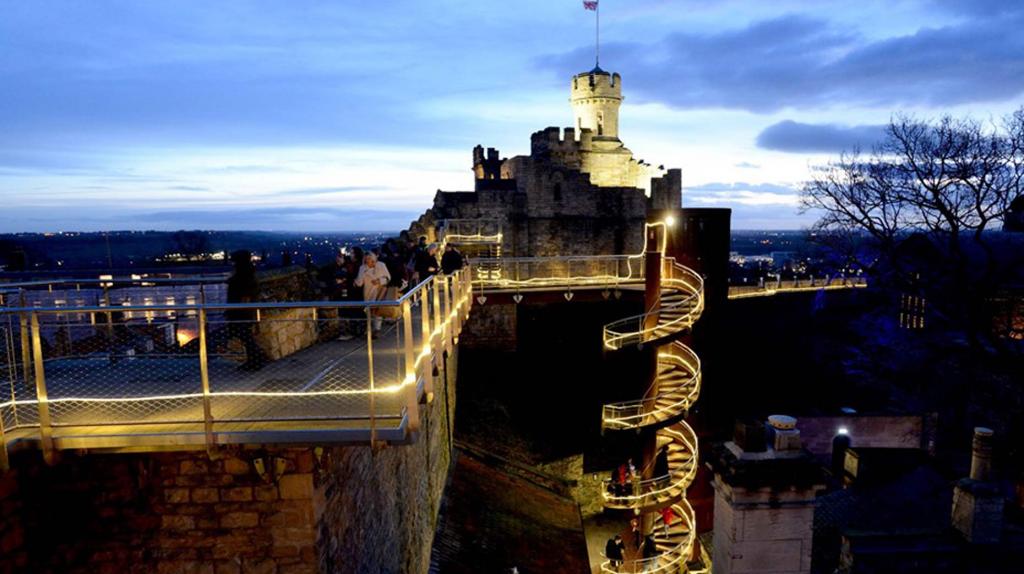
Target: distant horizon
(289,232)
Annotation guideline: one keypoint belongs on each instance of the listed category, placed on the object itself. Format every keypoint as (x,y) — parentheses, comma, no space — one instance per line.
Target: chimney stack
(783,434)
(981,454)
(977,500)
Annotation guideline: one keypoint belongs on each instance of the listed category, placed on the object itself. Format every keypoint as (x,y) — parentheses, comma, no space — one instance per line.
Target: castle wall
(159,512)
(343,509)
(380,507)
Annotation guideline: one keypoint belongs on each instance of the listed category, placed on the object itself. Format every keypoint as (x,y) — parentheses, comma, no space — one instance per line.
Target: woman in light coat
(373,277)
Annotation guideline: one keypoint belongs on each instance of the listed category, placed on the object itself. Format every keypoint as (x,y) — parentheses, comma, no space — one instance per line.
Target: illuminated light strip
(476,238)
(771,292)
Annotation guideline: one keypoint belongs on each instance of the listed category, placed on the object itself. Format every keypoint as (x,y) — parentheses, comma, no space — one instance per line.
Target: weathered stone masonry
(252,510)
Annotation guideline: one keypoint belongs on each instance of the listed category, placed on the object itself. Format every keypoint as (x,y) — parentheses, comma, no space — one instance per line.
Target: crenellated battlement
(596,84)
(561,141)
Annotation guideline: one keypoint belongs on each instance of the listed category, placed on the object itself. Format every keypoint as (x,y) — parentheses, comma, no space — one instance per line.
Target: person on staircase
(667,517)
(650,554)
(613,550)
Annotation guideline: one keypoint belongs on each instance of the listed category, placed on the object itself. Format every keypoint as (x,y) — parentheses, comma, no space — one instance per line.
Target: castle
(579,192)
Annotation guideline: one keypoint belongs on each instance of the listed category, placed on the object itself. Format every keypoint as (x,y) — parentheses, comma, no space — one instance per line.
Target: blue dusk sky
(344,115)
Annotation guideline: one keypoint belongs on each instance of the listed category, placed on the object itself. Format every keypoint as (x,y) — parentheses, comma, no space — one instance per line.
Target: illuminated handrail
(672,556)
(566,272)
(170,392)
(467,231)
(674,360)
(678,439)
(672,317)
(796,286)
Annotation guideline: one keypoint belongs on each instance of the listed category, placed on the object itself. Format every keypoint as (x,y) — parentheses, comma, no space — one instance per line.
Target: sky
(349,115)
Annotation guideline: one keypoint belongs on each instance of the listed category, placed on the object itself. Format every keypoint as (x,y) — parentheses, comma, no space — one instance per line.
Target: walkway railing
(471,231)
(777,287)
(136,376)
(584,271)
(113,290)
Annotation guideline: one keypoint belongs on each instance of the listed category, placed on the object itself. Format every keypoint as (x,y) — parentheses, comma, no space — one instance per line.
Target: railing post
(26,348)
(369,370)
(427,366)
(456,302)
(204,378)
(438,324)
(412,396)
(42,400)
(109,314)
(446,311)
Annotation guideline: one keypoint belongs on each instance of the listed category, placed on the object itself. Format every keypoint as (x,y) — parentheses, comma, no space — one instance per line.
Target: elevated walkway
(172,377)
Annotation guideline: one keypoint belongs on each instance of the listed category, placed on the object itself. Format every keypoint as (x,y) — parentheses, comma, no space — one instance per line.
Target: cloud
(791,136)
(281,218)
(747,165)
(802,62)
(761,194)
(317,191)
(753,205)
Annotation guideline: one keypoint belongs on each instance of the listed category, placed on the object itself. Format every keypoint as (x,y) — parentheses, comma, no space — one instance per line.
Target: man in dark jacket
(451,261)
(243,287)
(426,262)
(650,554)
(613,550)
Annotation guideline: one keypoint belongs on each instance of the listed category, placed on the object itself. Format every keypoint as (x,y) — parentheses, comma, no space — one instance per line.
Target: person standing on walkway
(243,287)
(634,525)
(426,262)
(373,278)
(451,261)
(613,550)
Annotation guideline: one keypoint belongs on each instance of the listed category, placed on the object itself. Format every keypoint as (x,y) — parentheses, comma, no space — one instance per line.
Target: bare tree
(950,180)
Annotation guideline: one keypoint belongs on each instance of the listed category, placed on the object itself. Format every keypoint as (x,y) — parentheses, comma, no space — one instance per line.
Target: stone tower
(596,96)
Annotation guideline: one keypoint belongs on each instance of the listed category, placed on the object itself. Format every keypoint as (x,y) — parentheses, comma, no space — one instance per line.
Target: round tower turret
(596,96)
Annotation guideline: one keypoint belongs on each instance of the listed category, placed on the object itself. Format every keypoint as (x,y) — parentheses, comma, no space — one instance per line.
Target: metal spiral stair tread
(667,402)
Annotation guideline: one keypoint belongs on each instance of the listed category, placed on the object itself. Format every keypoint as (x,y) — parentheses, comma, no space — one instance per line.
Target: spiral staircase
(661,410)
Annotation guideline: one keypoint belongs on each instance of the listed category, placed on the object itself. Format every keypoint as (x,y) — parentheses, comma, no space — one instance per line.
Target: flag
(590,5)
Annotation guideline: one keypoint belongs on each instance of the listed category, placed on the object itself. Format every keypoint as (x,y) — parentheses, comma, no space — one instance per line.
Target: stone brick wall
(159,512)
(380,506)
(282,332)
(286,284)
(491,327)
(881,431)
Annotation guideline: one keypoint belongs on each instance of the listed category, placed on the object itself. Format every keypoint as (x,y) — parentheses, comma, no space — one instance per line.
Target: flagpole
(597,37)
